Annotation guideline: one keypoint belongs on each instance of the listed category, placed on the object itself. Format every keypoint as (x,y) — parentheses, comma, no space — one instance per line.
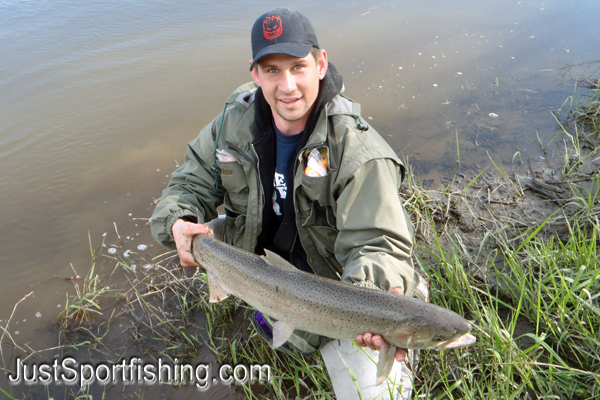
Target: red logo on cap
(272,28)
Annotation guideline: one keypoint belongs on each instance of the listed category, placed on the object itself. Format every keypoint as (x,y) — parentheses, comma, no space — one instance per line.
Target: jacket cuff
(188,215)
(367,284)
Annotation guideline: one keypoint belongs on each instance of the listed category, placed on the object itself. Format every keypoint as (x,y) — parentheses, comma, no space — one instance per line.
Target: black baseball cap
(282,31)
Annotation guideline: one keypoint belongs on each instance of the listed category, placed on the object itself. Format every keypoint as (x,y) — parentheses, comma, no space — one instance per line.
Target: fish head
(445,329)
(449,331)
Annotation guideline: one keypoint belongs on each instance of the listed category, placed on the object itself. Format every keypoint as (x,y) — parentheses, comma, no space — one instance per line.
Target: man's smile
(290,100)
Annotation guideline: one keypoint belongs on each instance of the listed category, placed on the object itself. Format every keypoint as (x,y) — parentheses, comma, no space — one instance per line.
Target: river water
(98,100)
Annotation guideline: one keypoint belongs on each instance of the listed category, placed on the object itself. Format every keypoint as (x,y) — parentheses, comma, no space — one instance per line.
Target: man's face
(290,86)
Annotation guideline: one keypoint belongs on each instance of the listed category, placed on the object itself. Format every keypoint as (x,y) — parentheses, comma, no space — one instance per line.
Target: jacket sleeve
(375,233)
(191,192)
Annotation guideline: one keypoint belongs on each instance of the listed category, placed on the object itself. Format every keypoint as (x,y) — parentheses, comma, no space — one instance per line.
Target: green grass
(549,289)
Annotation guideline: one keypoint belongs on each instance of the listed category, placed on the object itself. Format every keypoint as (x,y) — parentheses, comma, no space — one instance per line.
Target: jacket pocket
(314,201)
(323,237)
(316,189)
(233,179)
(235,183)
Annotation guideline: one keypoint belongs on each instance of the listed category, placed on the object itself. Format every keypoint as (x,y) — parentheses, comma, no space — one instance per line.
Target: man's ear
(254,73)
(322,64)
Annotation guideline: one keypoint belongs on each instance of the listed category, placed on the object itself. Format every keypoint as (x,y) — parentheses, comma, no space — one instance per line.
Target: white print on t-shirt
(281,188)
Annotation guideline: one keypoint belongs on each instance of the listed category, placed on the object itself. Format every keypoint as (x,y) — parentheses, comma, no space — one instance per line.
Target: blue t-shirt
(286,147)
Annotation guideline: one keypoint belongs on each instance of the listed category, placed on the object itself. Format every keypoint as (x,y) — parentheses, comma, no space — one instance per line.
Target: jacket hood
(330,86)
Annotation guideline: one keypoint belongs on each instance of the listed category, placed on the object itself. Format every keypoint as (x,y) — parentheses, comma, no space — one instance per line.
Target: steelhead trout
(299,300)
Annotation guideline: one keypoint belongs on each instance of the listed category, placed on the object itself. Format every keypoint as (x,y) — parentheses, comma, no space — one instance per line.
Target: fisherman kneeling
(300,173)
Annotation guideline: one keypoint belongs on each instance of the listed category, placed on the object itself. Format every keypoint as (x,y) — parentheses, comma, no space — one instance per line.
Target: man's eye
(298,67)
(272,70)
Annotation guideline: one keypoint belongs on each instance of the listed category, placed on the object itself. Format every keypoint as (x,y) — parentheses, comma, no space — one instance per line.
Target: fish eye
(437,338)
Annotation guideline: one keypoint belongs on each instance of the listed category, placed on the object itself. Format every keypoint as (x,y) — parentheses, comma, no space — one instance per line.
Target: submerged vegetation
(515,252)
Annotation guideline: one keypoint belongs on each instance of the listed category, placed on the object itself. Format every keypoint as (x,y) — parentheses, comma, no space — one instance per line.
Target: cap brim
(299,50)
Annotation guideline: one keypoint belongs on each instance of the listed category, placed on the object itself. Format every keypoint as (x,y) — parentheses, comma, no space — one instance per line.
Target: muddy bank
(499,204)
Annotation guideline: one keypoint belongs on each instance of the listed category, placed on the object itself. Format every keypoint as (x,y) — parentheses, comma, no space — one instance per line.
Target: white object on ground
(341,355)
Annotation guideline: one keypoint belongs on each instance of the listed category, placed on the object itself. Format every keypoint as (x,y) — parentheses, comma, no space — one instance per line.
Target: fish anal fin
(281,333)
(387,356)
(276,259)
(217,294)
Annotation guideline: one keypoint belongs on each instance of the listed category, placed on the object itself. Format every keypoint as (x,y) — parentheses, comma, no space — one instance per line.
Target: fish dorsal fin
(217,293)
(276,259)
(387,356)
(281,333)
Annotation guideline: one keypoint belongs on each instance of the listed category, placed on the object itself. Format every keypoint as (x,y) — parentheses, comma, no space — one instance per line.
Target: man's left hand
(374,342)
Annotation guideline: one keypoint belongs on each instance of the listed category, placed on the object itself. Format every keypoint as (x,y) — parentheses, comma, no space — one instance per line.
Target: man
(300,173)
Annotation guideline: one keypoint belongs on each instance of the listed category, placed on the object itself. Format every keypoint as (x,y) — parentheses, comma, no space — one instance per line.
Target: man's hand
(374,342)
(183,233)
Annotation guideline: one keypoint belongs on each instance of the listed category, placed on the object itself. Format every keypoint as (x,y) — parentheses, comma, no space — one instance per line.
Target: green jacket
(351,222)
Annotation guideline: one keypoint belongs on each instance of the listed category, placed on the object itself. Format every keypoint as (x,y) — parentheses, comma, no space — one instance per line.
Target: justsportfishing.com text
(133,371)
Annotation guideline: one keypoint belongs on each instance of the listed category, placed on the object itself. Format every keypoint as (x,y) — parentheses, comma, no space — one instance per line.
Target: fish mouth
(464,340)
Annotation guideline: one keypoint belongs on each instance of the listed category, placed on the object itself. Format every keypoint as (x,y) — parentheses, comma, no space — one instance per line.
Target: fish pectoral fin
(281,333)
(276,259)
(387,356)
(217,293)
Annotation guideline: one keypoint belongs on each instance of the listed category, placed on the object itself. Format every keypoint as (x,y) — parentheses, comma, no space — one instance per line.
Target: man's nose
(288,82)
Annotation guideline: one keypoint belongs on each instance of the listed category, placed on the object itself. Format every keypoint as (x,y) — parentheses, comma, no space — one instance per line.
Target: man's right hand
(375,342)
(183,233)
